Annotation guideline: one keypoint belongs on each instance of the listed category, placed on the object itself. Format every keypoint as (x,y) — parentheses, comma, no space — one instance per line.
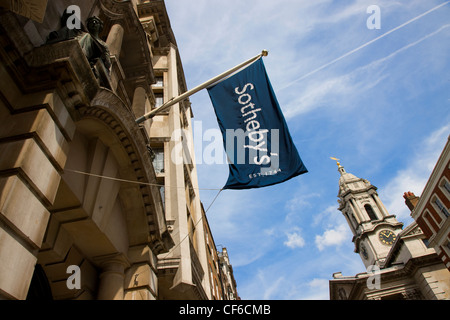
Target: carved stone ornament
(93,47)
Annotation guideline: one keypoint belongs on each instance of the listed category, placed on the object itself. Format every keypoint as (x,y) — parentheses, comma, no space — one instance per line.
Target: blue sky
(383,109)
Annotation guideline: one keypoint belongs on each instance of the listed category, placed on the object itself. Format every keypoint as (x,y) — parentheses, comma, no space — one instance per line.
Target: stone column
(380,205)
(176,203)
(139,101)
(114,40)
(141,105)
(111,286)
(358,215)
(141,280)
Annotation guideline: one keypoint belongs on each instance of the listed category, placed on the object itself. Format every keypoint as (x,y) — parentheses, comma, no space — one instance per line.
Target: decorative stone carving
(412,294)
(93,47)
(342,294)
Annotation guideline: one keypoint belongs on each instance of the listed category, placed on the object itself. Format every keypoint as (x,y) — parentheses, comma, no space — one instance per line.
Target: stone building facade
(215,272)
(86,194)
(229,282)
(399,265)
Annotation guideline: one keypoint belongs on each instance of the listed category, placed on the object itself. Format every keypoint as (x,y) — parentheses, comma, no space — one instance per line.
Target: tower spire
(373,228)
(340,168)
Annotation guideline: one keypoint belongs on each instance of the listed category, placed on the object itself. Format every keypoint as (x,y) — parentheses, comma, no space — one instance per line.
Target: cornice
(355,192)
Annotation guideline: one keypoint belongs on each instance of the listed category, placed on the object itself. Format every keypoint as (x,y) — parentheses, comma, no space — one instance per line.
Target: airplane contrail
(365,44)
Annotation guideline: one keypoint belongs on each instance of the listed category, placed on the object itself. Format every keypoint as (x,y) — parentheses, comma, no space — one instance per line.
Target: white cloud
(333,237)
(318,283)
(265,284)
(301,199)
(415,175)
(295,240)
(331,216)
(321,92)
(300,202)
(270,232)
(271,288)
(319,289)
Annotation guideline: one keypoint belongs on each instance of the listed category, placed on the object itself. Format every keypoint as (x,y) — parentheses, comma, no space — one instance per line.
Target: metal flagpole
(188,93)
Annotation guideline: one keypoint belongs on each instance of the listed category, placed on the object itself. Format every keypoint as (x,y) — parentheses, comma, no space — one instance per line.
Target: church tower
(374,229)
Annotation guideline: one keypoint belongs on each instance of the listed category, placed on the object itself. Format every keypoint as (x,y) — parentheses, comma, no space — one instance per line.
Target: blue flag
(256,138)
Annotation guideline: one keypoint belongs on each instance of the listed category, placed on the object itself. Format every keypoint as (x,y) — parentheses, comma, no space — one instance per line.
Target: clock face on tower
(387,237)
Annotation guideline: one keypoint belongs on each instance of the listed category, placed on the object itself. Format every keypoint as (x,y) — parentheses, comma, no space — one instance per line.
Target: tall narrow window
(162,191)
(159,81)
(352,220)
(370,212)
(441,207)
(447,186)
(158,161)
(159,100)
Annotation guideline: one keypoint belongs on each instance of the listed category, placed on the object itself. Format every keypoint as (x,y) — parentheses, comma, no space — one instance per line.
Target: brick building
(432,210)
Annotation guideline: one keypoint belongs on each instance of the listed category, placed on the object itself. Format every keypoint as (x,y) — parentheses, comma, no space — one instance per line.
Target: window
(159,81)
(370,212)
(352,220)
(158,161)
(162,191)
(441,207)
(159,100)
(446,185)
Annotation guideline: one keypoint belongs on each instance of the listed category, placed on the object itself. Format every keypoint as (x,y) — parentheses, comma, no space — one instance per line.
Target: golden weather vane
(336,159)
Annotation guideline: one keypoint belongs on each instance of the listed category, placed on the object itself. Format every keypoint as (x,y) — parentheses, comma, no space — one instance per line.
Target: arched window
(370,212)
